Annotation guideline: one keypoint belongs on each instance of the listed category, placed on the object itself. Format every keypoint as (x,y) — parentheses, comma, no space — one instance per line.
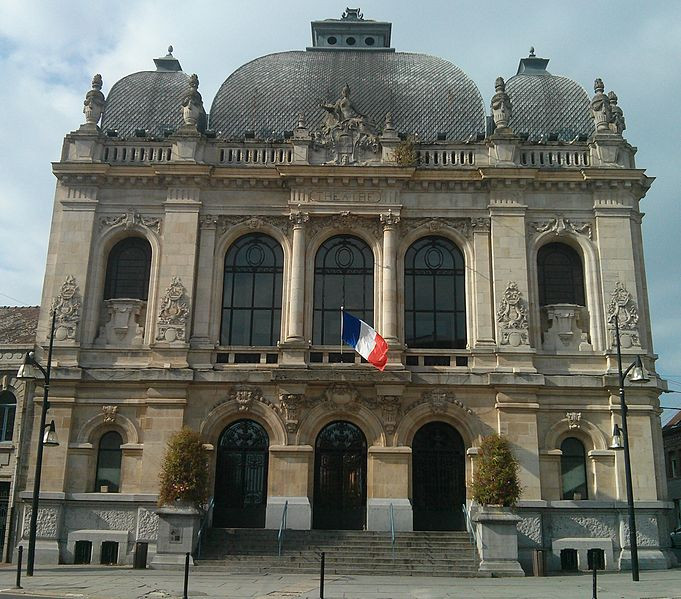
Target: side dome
(150,100)
(427,96)
(546,104)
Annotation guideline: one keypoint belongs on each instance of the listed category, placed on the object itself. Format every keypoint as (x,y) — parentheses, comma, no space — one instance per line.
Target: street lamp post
(46,436)
(638,375)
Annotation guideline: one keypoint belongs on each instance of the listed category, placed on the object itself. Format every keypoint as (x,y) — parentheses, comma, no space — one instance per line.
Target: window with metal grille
(561,278)
(343,276)
(108,479)
(251,298)
(434,295)
(127,270)
(8,408)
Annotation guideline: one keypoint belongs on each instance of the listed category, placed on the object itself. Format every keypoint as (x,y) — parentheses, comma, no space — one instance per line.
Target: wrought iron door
(241,476)
(340,491)
(438,478)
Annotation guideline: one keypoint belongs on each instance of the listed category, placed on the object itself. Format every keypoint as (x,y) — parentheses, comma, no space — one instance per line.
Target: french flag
(367,342)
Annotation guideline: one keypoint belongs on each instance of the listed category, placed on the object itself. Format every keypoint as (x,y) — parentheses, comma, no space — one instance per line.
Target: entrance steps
(254,551)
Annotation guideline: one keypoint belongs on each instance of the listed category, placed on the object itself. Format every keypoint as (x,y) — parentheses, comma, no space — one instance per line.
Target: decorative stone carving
(47,522)
(390,220)
(226,222)
(512,317)
(123,323)
(623,307)
(94,102)
(481,224)
(501,105)
(129,219)
(66,306)
(346,134)
(562,226)
(390,411)
(147,525)
(342,395)
(298,218)
(565,328)
(617,124)
(245,395)
(289,407)
(352,14)
(461,225)
(600,108)
(348,221)
(439,400)
(193,112)
(208,221)
(110,413)
(172,318)
(574,420)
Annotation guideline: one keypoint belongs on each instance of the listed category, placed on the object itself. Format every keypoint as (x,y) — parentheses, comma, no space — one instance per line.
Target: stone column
(204,283)
(296,305)
(389,278)
(482,304)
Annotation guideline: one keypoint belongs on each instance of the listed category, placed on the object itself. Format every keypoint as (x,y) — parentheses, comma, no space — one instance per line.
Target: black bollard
(595,578)
(321,579)
(186,576)
(20,554)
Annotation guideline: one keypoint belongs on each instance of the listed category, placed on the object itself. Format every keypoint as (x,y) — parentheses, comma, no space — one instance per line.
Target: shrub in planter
(184,471)
(495,481)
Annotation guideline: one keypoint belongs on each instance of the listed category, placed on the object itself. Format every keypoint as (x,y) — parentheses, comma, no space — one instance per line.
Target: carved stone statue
(192,104)
(172,318)
(600,108)
(617,123)
(501,105)
(512,317)
(94,102)
(66,307)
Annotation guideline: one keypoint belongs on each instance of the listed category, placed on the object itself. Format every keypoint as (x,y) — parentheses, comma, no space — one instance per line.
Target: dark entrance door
(438,478)
(241,476)
(340,490)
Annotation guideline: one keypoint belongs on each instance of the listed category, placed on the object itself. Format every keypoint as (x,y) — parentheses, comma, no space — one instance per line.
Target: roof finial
(531,52)
(170,50)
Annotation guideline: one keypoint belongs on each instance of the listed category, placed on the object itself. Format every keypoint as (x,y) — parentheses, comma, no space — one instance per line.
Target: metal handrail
(282,526)
(469,522)
(206,518)
(392,530)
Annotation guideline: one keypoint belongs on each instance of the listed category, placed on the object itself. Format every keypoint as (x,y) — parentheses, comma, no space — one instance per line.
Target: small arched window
(8,408)
(109,454)
(573,469)
(434,295)
(251,298)
(127,270)
(343,276)
(561,278)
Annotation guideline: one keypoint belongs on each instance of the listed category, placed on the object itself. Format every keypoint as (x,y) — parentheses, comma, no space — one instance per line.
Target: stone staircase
(253,551)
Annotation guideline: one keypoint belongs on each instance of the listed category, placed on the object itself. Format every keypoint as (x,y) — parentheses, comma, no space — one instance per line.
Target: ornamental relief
(345,220)
(623,308)
(129,219)
(244,396)
(225,222)
(562,226)
(66,308)
(512,317)
(172,318)
(463,226)
(289,408)
(439,401)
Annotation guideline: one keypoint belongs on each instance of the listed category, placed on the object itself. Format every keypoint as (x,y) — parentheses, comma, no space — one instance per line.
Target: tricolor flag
(367,342)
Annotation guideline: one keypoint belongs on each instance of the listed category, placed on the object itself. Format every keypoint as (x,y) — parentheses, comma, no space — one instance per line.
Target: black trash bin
(538,566)
(140,559)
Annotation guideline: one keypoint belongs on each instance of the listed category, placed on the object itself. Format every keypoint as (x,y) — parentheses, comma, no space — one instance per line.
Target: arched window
(561,279)
(343,276)
(8,408)
(434,294)
(251,298)
(573,469)
(128,268)
(109,454)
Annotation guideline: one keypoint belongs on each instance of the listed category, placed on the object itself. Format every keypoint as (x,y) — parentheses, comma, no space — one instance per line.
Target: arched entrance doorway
(438,477)
(340,489)
(241,476)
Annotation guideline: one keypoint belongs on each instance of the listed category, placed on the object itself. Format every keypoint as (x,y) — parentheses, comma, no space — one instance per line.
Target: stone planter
(178,529)
(496,538)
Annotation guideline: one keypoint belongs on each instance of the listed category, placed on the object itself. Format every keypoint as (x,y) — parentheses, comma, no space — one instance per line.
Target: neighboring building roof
(425,94)
(18,324)
(675,421)
(546,104)
(150,100)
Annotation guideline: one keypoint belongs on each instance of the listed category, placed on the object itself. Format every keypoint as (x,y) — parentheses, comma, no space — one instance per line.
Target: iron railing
(282,527)
(207,517)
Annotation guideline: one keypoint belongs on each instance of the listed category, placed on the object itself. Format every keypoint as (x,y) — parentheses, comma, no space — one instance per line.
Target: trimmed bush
(184,471)
(495,481)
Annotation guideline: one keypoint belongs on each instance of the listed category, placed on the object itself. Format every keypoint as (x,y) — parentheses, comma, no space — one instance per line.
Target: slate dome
(426,95)
(546,104)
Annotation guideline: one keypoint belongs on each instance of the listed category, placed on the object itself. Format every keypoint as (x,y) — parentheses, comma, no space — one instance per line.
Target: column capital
(299,218)
(389,220)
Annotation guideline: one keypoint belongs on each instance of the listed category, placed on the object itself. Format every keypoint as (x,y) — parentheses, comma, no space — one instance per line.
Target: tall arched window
(251,298)
(561,278)
(573,469)
(109,454)
(434,294)
(343,276)
(127,270)
(8,408)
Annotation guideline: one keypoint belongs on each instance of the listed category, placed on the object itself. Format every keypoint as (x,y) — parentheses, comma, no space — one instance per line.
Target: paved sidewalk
(93,582)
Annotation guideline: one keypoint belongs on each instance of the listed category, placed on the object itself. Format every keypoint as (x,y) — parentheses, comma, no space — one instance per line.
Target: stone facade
(671,435)
(535,373)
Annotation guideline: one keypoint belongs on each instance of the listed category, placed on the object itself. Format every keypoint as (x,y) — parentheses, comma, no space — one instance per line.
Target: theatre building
(198,261)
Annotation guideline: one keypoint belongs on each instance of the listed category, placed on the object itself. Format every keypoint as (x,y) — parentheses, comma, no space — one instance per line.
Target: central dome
(427,96)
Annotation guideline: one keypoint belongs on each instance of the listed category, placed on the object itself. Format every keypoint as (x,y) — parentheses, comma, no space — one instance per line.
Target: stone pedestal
(378,515)
(123,323)
(178,529)
(496,538)
(298,513)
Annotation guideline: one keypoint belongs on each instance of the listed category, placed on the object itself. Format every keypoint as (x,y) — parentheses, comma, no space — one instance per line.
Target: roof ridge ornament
(167,63)
(600,108)
(617,123)
(352,14)
(501,106)
(94,103)
(193,113)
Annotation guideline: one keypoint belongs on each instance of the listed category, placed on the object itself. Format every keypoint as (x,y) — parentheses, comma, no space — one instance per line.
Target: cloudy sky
(49,51)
